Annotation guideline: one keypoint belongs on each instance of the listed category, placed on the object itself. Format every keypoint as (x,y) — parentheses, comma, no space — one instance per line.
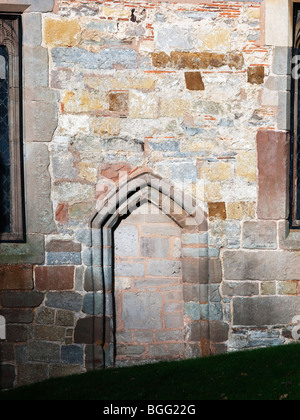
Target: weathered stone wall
(190,92)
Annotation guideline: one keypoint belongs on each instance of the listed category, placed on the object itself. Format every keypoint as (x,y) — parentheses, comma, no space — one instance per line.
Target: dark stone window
(12,226)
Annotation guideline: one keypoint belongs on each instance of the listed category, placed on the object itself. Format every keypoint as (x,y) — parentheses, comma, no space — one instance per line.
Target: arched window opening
(12,225)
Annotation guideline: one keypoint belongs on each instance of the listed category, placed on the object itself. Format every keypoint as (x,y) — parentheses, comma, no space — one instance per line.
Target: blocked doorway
(154,272)
(148,288)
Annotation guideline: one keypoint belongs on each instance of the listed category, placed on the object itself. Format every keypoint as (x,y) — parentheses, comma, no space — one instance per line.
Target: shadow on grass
(266,374)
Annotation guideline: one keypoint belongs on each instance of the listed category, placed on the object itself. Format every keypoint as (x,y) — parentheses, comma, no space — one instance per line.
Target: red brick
(273,149)
(54,278)
(16,277)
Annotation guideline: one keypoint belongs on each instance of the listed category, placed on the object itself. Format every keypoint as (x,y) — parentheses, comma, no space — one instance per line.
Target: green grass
(267,374)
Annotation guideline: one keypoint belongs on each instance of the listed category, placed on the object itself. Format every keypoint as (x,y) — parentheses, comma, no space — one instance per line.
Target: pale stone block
(269,97)
(278,11)
(127,241)
(260,235)
(142,310)
(39,205)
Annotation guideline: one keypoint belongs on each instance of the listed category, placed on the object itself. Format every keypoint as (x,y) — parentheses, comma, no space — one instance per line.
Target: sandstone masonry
(156,151)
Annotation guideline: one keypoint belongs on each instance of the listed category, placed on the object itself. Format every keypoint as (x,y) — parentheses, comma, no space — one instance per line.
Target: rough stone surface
(70,301)
(138,307)
(54,278)
(256,75)
(260,235)
(16,277)
(264,265)
(267,310)
(89,330)
(18,299)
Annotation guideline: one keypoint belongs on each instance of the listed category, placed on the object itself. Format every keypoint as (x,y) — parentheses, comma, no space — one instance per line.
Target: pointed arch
(131,193)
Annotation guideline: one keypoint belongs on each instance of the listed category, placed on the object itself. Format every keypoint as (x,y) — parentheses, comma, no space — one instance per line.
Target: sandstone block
(240,210)
(287,287)
(119,102)
(123,269)
(155,247)
(282,61)
(142,310)
(129,351)
(195,270)
(246,165)
(36,67)
(194,81)
(39,204)
(63,258)
(16,333)
(63,165)
(54,278)
(45,316)
(217,211)
(174,320)
(32,33)
(267,310)
(65,318)
(39,129)
(256,75)
(22,299)
(273,174)
(263,265)
(17,316)
(164,268)
(143,105)
(106,59)
(72,355)
(89,330)
(127,241)
(197,61)
(268,288)
(31,252)
(40,351)
(16,277)
(219,332)
(70,301)
(62,33)
(49,333)
(240,289)
(173,38)
(260,235)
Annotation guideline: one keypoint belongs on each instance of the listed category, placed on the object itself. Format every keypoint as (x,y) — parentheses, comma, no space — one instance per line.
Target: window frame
(14,46)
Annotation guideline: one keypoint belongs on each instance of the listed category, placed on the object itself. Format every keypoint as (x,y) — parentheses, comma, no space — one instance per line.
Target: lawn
(266,374)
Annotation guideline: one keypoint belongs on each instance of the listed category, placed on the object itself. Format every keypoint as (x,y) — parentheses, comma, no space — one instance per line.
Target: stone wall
(192,95)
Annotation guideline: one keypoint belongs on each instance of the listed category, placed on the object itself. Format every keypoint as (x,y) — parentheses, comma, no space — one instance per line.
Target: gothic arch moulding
(131,194)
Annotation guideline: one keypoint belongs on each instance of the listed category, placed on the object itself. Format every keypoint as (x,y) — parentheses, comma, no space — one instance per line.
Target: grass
(266,374)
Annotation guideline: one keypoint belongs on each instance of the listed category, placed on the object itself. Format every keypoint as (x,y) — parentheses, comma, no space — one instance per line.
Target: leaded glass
(5,182)
(12,224)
